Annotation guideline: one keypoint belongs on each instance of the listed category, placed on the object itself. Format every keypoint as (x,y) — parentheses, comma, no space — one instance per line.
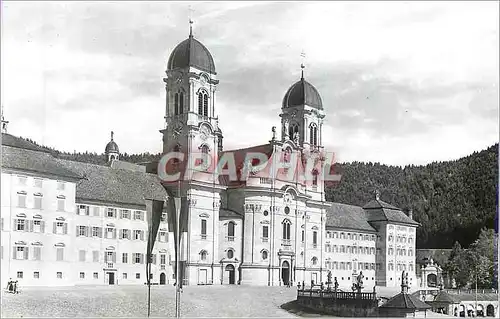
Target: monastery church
(73,223)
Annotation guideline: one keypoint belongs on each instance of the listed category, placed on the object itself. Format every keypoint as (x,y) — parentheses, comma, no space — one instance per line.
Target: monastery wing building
(71,223)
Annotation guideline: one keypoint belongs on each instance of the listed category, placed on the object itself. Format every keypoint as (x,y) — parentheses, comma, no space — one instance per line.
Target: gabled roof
(17,142)
(444,297)
(115,185)
(405,301)
(378,210)
(28,160)
(347,216)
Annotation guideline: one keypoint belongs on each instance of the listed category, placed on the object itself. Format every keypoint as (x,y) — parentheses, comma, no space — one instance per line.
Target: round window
(287,210)
(264,255)
(266,213)
(230,254)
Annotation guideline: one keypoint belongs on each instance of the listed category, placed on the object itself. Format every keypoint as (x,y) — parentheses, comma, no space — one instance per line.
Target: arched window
(203,255)
(205,105)
(294,128)
(200,102)
(230,253)
(230,230)
(176,104)
(204,150)
(313,135)
(287,155)
(314,261)
(286,229)
(181,103)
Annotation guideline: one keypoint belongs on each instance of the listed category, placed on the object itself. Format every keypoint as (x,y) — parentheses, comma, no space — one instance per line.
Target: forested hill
(452,200)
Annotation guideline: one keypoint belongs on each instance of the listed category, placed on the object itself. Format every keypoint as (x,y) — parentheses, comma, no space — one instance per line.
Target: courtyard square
(131,301)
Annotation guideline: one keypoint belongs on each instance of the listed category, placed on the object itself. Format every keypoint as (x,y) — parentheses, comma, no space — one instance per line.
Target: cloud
(400,82)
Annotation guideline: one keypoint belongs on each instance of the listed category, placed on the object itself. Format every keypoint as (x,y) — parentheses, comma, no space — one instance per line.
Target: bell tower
(191,123)
(302,115)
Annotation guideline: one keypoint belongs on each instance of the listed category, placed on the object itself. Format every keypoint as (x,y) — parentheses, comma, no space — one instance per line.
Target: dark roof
(112,147)
(472,296)
(239,159)
(444,297)
(405,301)
(35,161)
(229,213)
(378,210)
(14,141)
(191,52)
(347,216)
(115,185)
(300,93)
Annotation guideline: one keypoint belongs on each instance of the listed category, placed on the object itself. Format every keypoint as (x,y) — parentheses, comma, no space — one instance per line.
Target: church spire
(302,66)
(190,22)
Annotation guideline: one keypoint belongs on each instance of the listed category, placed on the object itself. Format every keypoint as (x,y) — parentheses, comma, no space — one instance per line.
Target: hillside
(452,200)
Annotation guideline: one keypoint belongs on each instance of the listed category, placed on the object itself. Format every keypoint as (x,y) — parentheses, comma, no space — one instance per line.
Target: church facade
(260,230)
(269,230)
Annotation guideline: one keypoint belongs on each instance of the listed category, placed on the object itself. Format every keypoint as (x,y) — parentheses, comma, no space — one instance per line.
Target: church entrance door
(285,273)
(231,274)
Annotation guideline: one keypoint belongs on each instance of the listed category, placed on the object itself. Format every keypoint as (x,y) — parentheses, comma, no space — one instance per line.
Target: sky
(401,82)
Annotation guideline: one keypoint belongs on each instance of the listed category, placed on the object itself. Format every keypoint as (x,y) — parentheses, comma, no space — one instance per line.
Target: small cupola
(112,151)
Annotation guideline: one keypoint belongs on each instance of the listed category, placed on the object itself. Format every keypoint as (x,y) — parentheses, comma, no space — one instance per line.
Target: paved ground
(131,301)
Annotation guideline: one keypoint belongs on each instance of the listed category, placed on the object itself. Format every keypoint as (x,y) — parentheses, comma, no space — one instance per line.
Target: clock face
(177,129)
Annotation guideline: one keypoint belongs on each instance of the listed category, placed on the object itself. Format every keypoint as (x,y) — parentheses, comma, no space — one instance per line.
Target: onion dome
(302,93)
(191,53)
(112,147)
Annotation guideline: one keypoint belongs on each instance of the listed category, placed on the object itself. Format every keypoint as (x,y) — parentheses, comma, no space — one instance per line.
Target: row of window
(400,267)
(37,201)
(349,249)
(400,252)
(38,226)
(136,234)
(23,253)
(335,265)
(343,235)
(38,182)
(59,275)
(84,210)
(401,239)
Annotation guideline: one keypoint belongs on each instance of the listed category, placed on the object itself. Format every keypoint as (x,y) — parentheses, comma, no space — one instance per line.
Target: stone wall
(341,307)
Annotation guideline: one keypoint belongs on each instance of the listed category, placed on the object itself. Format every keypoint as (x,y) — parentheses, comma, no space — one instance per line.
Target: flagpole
(177,257)
(149,271)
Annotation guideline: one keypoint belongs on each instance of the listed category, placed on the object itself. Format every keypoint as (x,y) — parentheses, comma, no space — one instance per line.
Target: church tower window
(205,105)
(200,103)
(181,103)
(176,104)
(204,151)
(313,135)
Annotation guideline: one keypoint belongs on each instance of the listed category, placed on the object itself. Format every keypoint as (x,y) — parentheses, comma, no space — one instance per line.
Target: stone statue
(358,285)
(286,124)
(336,284)
(296,137)
(329,277)
(274,132)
